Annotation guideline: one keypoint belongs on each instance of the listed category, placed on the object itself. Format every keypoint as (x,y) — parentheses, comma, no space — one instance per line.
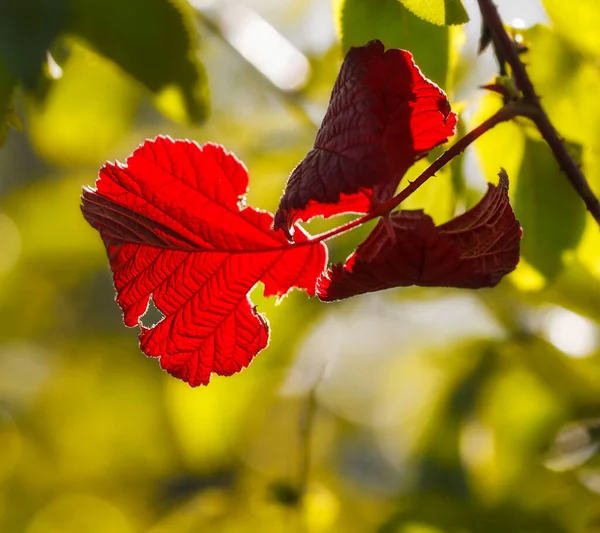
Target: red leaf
(175,229)
(383,116)
(471,251)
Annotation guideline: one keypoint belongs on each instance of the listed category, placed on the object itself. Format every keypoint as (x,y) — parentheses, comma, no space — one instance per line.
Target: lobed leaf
(383,115)
(471,251)
(175,229)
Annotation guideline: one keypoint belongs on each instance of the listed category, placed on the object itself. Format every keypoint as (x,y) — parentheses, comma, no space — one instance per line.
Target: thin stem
(307,418)
(507,48)
(509,111)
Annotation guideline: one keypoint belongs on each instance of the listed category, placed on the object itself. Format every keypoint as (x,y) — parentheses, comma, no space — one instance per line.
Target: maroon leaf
(176,231)
(471,251)
(383,116)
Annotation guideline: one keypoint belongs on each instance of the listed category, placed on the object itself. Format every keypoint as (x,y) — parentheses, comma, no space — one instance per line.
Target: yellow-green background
(434,410)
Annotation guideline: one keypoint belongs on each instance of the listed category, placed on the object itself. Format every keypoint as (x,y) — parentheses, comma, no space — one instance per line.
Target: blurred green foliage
(433,411)
(440,12)
(396,27)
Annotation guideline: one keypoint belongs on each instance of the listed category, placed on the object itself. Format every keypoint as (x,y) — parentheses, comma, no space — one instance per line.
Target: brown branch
(534,110)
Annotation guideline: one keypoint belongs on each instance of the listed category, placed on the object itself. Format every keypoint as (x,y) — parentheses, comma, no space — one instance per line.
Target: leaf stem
(535,111)
(306,427)
(307,418)
(509,111)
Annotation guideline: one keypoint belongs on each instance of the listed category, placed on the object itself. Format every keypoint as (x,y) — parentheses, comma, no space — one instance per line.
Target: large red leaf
(383,115)
(473,250)
(176,231)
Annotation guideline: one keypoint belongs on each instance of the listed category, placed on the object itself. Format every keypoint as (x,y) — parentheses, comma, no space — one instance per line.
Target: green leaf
(152,40)
(550,211)
(85,112)
(568,82)
(359,21)
(436,198)
(27,29)
(438,12)
(577,22)
(502,146)
(7,83)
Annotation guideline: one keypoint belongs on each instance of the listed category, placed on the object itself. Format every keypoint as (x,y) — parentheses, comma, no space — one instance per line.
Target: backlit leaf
(439,12)
(551,212)
(577,22)
(101,100)
(153,40)
(471,251)
(176,231)
(359,21)
(383,116)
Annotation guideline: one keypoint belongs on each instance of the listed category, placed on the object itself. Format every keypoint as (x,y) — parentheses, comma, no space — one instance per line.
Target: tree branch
(534,110)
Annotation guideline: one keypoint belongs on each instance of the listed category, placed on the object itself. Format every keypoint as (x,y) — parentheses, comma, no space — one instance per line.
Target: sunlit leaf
(439,12)
(389,21)
(550,211)
(568,82)
(501,147)
(437,198)
(577,22)
(73,513)
(85,111)
(153,40)
(383,116)
(198,265)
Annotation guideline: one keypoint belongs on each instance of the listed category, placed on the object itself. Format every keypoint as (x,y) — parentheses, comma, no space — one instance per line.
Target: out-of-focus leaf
(27,29)
(570,380)
(438,12)
(154,41)
(454,515)
(550,211)
(577,289)
(7,83)
(568,83)
(577,22)
(13,119)
(441,467)
(359,21)
(501,147)
(436,198)
(112,442)
(51,234)
(589,248)
(520,412)
(220,413)
(74,513)
(85,112)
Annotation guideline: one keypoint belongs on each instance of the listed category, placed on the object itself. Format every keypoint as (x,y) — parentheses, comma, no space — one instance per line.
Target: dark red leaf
(383,116)
(176,231)
(471,251)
